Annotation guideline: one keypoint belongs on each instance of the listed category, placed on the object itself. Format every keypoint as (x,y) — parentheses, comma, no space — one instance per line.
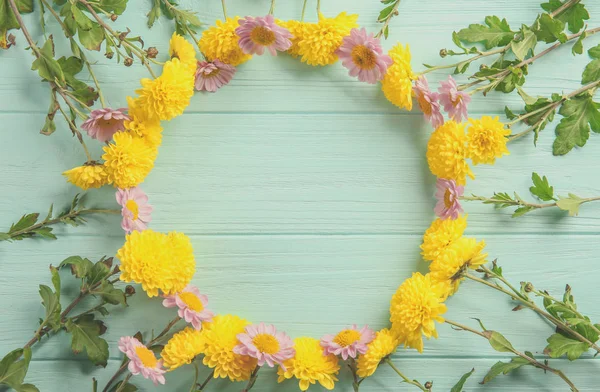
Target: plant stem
(252,380)
(303,10)
(406,379)
(123,383)
(531,305)
(185,25)
(468,61)
(492,200)
(224,9)
(526,357)
(272,9)
(551,298)
(388,19)
(205,383)
(77,133)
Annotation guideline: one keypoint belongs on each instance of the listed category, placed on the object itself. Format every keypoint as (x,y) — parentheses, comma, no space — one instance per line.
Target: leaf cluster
(8,21)
(386,14)
(185,20)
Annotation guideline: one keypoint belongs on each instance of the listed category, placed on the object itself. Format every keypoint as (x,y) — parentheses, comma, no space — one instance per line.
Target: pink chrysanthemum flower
(455,102)
(447,194)
(362,54)
(142,360)
(258,33)
(266,344)
(102,124)
(192,306)
(428,102)
(349,342)
(212,75)
(136,210)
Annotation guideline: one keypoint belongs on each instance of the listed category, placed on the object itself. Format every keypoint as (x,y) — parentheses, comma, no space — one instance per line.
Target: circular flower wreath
(164,263)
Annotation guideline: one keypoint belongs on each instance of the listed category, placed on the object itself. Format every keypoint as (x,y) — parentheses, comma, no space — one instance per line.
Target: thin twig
(406,379)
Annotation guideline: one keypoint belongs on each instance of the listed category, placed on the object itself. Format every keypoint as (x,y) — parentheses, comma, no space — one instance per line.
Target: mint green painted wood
(305,194)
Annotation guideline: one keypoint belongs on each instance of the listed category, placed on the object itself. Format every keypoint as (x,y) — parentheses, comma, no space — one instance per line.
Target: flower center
(424,104)
(132,206)
(347,337)
(262,36)
(457,100)
(192,301)
(212,73)
(363,57)
(447,198)
(266,343)
(146,356)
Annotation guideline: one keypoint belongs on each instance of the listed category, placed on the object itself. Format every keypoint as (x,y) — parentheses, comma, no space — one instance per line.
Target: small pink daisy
(102,124)
(455,102)
(447,194)
(142,360)
(136,210)
(192,306)
(362,54)
(259,33)
(264,343)
(349,342)
(428,102)
(211,76)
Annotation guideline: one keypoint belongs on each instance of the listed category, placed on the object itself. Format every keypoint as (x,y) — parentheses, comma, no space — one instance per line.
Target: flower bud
(129,290)
(152,52)
(108,262)
(128,62)
(528,287)
(113,17)
(443,53)
(428,385)
(109,55)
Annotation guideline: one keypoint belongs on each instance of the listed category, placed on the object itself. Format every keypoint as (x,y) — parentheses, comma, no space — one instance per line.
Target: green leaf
(82,21)
(499,342)
(595,52)
(127,388)
(154,13)
(114,6)
(8,20)
(13,370)
(578,47)
(47,67)
(111,294)
(461,383)
(574,16)
(4,237)
(504,368)
(570,203)
(85,336)
(496,32)
(559,345)
(80,267)
(574,129)
(549,29)
(526,44)
(541,188)
(97,273)
(509,114)
(25,222)
(528,99)
(522,211)
(92,39)
(45,232)
(28,388)
(385,13)
(591,73)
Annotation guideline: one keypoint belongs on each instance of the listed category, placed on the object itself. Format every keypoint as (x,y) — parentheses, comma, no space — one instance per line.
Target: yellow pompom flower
(447,153)
(310,365)
(183,50)
(128,160)
(486,140)
(462,254)
(320,40)
(220,42)
(418,302)
(182,348)
(297,29)
(90,175)
(143,126)
(168,95)
(440,235)
(397,82)
(157,261)
(219,337)
(384,344)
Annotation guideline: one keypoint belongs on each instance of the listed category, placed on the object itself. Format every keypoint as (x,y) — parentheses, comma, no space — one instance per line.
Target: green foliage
(184,19)
(51,302)
(580,113)
(80,267)
(499,342)
(13,369)
(506,367)
(48,68)
(541,188)
(559,345)
(85,336)
(458,387)
(575,16)
(495,32)
(524,44)
(110,294)
(570,203)
(8,21)
(549,29)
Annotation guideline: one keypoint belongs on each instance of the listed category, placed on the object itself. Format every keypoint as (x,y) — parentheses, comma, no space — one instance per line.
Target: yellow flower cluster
(157,261)
(310,365)
(90,175)
(397,82)
(384,344)
(220,42)
(182,348)
(183,50)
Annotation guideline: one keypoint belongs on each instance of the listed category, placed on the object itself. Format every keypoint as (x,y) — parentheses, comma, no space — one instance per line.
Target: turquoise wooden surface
(305,194)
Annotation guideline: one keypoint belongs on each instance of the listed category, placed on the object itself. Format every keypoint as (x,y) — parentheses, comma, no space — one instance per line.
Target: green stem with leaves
(252,380)
(272,9)
(520,203)
(487,334)
(406,379)
(388,19)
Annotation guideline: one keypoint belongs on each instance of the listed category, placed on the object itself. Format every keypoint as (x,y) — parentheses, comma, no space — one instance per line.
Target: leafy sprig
(385,16)
(29,226)
(186,21)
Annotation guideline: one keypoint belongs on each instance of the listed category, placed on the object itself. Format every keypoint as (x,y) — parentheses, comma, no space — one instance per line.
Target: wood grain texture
(306,195)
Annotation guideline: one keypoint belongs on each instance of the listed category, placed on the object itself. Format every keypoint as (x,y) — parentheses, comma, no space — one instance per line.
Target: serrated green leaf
(97,273)
(509,114)
(13,370)
(496,32)
(8,20)
(85,336)
(526,44)
(114,6)
(549,29)
(25,222)
(504,368)
(570,204)
(47,67)
(458,387)
(595,52)
(559,345)
(591,73)
(574,16)
(111,294)
(82,21)
(574,129)
(92,39)
(80,267)
(541,187)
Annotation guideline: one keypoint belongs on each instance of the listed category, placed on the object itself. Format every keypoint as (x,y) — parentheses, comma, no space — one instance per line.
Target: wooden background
(306,195)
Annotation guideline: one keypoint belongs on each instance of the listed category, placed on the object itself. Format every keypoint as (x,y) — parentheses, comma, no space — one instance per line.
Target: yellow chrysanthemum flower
(384,344)
(486,140)
(128,160)
(298,29)
(309,365)
(182,348)
(463,253)
(90,175)
(157,261)
(397,82)
(142,126)
(440,235)
(168,95)
(320,40)
(221,42)
(219,337)
(182,49)
(418,302)
(447,153)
